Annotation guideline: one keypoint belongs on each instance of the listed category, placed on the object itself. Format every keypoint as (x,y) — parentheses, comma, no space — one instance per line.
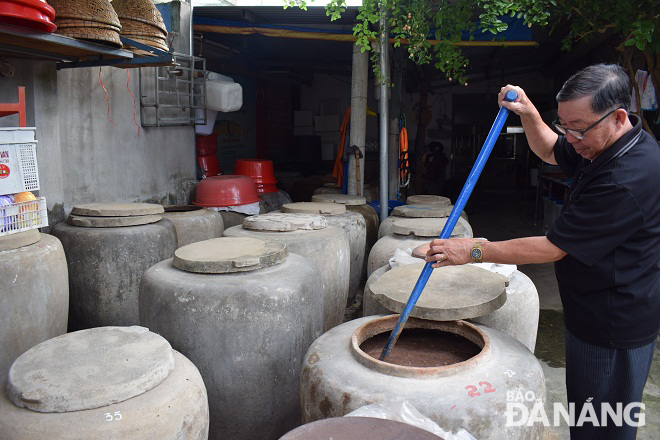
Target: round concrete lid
(424,227)
(229,255)
(19,240)
(365,428)
(89,369)
(283,222)
(422,211)
(451,293)
(112,222)
(116,209)
(427,199)
(314,208)
(342,199)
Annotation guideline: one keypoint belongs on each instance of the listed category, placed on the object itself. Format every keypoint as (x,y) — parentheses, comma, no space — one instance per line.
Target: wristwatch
(476,253)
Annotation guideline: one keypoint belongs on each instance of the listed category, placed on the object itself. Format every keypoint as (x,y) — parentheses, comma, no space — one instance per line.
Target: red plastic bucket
(207,145)
(266,188)
(32,14)
(261,170)
(227,190)
(209,165)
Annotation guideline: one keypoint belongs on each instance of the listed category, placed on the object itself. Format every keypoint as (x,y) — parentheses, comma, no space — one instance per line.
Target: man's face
(577,115)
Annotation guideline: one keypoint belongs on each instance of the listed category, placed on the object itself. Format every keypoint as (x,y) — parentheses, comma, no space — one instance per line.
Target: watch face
(476,254)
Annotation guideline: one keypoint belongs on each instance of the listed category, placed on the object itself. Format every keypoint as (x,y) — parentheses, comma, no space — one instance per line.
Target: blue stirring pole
(451,221)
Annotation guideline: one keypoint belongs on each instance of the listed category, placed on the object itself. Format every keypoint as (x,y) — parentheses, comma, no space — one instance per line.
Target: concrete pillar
(359,83)
(384,115)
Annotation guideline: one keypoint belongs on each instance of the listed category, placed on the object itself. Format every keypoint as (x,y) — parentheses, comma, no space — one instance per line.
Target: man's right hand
(522,106)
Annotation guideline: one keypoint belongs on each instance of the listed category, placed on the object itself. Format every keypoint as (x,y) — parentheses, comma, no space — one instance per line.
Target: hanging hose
(404,161)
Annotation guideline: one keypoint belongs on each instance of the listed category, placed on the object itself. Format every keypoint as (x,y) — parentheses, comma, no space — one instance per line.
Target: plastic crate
(23,216)
(18,160)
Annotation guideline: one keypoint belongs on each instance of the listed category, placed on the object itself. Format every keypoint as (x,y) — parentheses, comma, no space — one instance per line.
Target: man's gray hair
(607,84)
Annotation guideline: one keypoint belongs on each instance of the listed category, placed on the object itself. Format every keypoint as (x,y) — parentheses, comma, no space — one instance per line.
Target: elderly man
(605,244)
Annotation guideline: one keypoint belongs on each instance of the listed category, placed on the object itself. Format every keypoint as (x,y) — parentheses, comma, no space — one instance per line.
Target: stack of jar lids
(341,199)
(229,255)
(428,199)
(142,22)
(93,20)
(112,215)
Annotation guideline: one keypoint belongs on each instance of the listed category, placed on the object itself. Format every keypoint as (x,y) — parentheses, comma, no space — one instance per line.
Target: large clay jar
(518,317)
(421,211)
(408,233)
(104,383)
(460,375)
(310,236)
(356,204)
(34,293)
(108,247)
(194,223)
(353,225)
(244,311)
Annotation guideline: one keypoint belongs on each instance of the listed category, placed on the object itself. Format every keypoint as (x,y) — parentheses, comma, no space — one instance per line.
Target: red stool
(10,108)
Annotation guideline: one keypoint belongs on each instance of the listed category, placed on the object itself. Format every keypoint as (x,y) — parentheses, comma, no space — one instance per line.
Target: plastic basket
(23,216)
(18,161)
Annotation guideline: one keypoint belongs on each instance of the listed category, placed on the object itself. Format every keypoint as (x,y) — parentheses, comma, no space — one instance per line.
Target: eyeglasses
(578,134)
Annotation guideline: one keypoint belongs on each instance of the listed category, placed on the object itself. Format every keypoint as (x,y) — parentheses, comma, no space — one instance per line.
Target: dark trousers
(601,375)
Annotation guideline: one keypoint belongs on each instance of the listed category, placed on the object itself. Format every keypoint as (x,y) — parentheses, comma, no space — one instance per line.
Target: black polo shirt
(610,228)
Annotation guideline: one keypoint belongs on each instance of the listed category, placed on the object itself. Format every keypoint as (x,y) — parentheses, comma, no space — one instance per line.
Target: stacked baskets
(142,22)
(93,20)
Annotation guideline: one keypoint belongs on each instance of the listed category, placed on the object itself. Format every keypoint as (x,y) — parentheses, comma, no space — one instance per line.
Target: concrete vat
(421,211)
(518,317)
(104,383)
(466,380)
(310,236)
(356,204)
(194,223)
(354,226)
(106,259)
(34,293)
(244,311)
(408,233)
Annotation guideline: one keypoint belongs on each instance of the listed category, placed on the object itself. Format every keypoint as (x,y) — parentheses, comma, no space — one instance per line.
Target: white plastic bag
(249,209)
(403,411)
(402,257)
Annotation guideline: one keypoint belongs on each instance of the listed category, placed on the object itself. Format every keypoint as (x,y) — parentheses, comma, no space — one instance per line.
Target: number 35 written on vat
(110,417)
(487,388)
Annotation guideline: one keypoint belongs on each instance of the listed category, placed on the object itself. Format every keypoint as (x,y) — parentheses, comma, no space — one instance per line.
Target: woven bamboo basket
(93,20)
(141,21)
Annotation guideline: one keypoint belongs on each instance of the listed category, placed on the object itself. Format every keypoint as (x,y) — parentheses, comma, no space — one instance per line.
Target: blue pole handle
(478,167)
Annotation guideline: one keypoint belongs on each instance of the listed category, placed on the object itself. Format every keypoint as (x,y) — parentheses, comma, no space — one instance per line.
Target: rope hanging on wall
(128,80)
(107,98)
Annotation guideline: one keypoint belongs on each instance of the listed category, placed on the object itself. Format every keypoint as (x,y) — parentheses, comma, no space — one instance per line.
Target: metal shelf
(71,52)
